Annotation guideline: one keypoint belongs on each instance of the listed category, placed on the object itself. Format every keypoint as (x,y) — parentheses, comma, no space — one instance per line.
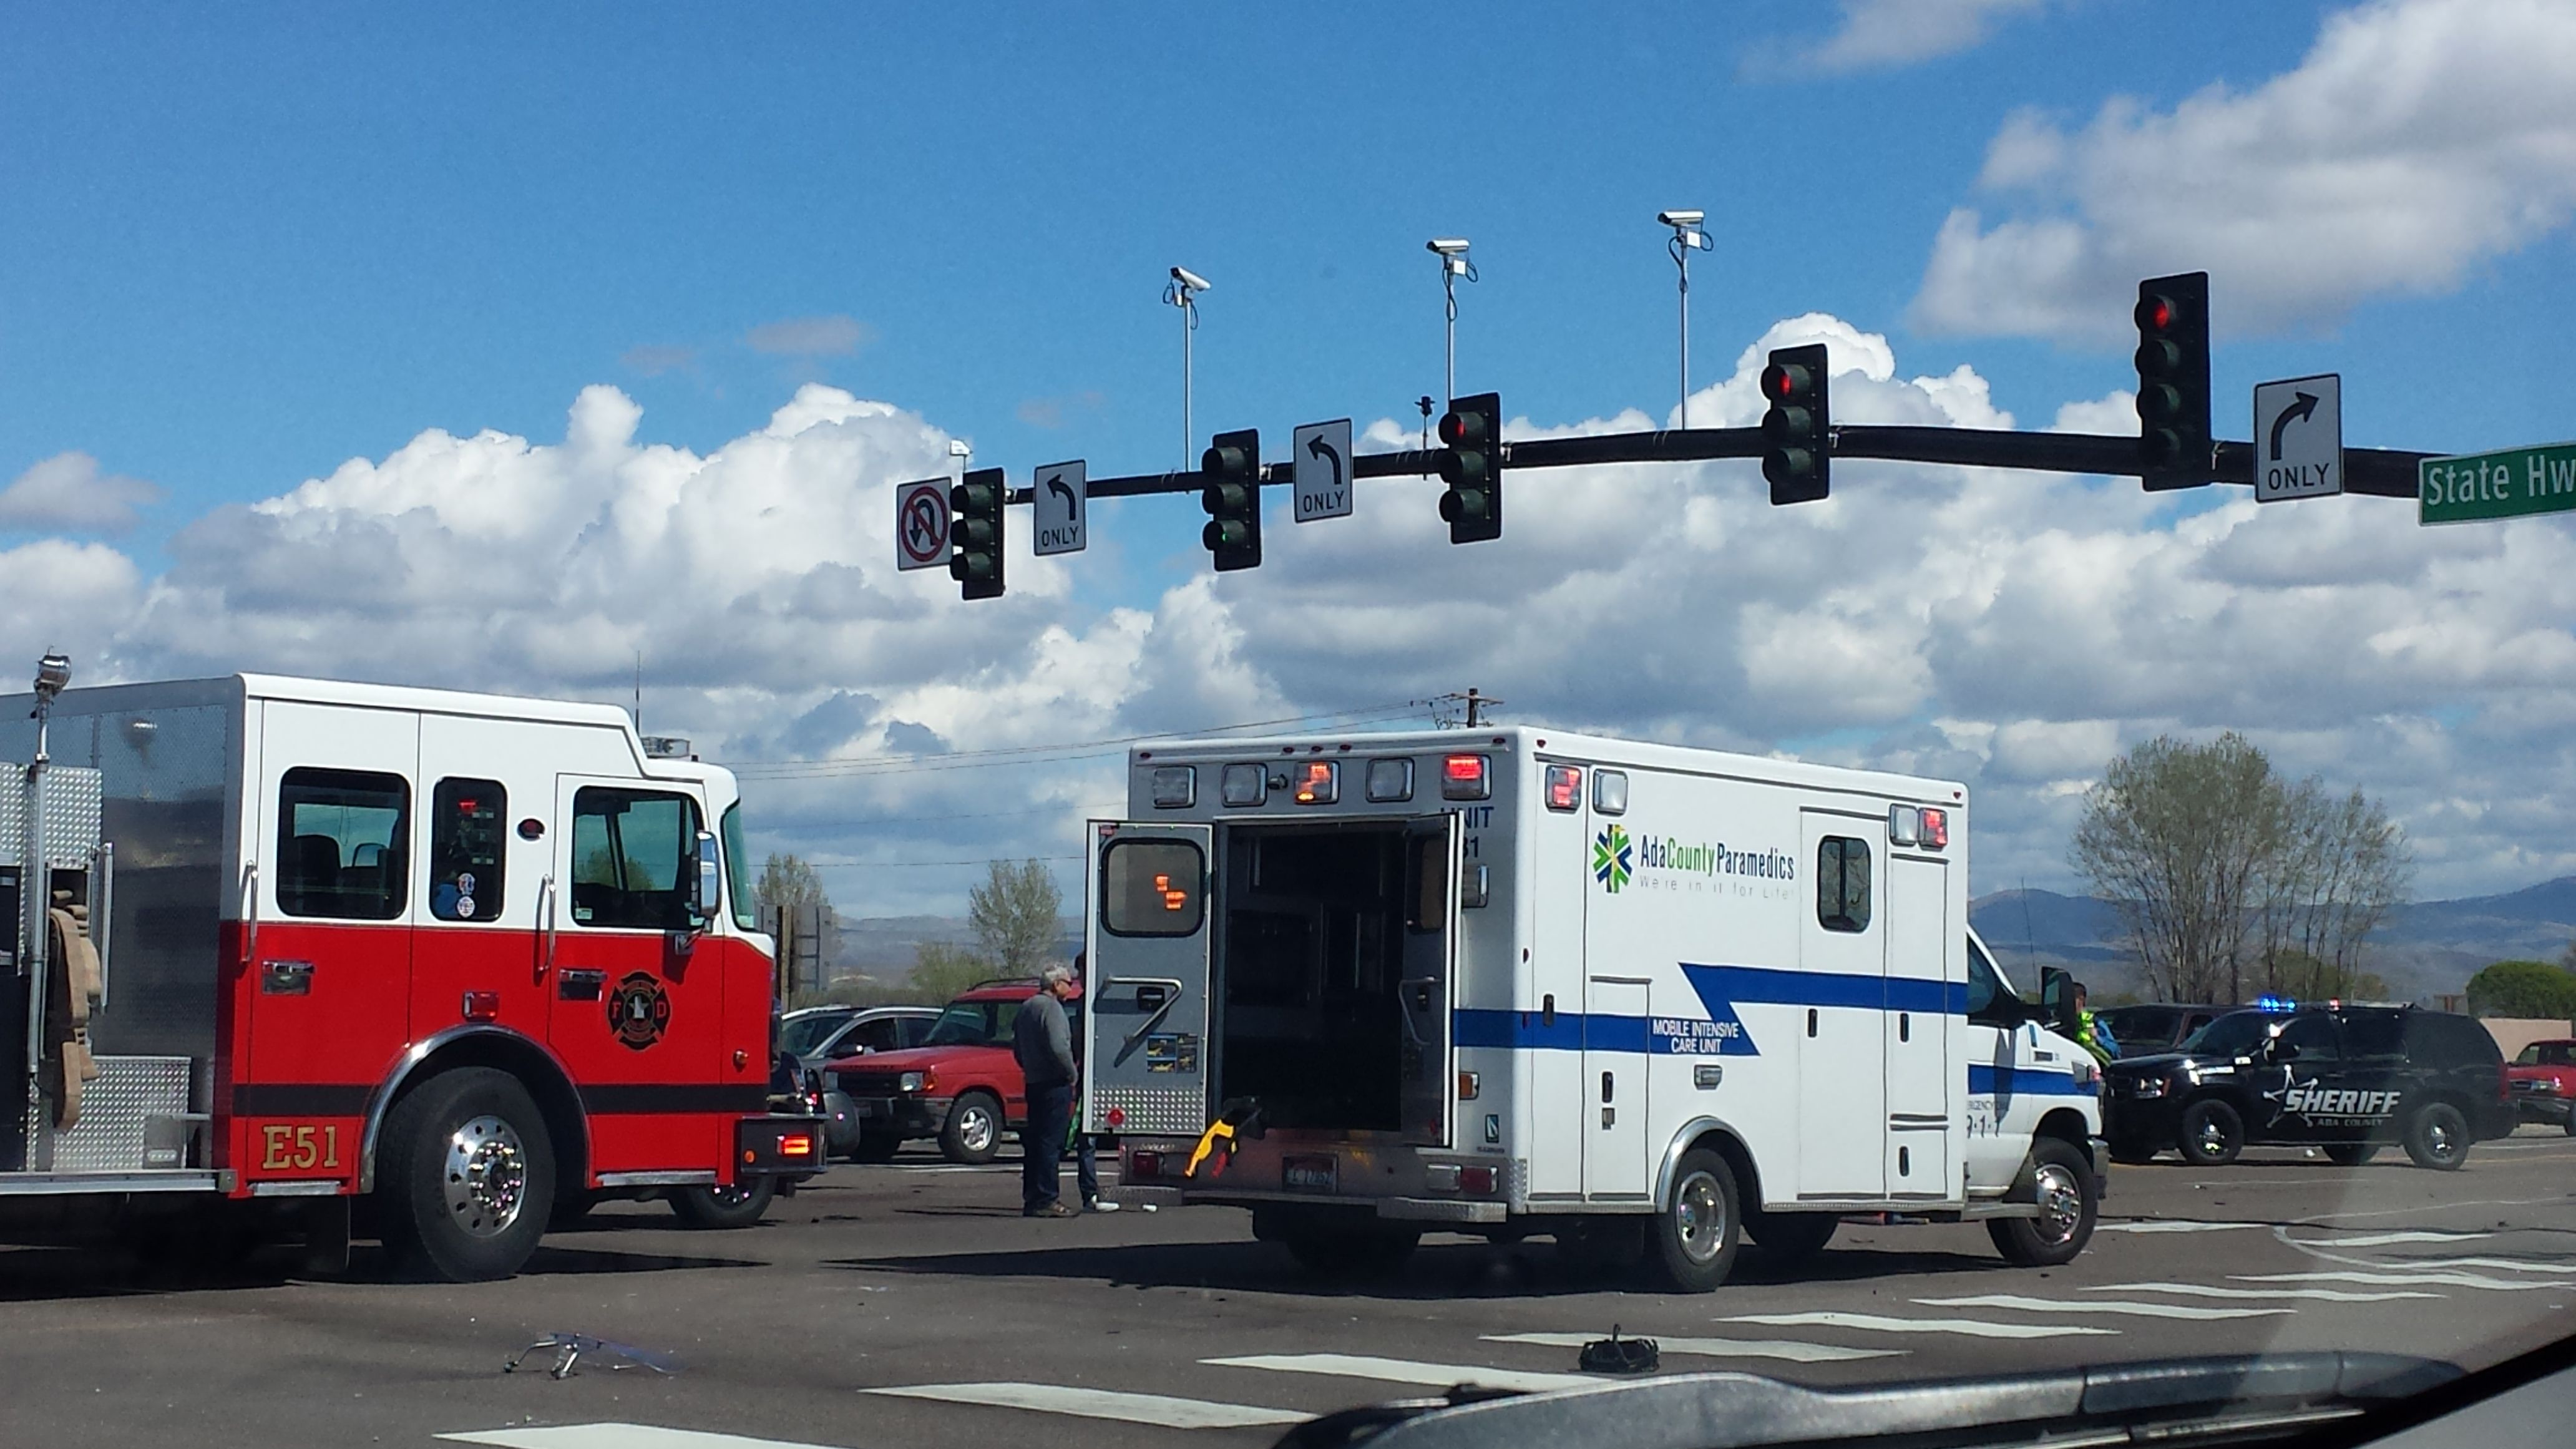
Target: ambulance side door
(1433,849)
(1145,1067)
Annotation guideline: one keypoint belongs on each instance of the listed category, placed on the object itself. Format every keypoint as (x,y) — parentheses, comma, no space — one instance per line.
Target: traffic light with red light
(1231,494)
(1797,455)
(1471,463)
(976,559)
(2174,436)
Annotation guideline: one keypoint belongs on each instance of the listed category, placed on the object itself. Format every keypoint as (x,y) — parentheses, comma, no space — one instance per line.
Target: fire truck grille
(1152,1111)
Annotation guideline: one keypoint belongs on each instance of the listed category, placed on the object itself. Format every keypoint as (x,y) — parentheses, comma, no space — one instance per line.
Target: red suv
(961,1085)
(2543,1081)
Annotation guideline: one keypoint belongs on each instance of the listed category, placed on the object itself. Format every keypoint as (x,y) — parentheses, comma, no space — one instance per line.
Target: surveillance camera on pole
(1182,292)
(1687,238)
(1452,251)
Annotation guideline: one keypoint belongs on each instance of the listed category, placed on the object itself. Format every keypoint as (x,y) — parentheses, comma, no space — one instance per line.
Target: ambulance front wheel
(1698,1232)
(2062,1183)
(467,1177)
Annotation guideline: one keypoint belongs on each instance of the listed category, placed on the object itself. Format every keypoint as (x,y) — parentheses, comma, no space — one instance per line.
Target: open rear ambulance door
(1432,850)
(1146,1011)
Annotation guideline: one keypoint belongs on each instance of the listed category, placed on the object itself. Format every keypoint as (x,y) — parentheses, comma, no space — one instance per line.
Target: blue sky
(248,248)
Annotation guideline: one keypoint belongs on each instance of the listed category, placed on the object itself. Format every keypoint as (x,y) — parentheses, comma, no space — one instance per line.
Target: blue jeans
(1042,1142)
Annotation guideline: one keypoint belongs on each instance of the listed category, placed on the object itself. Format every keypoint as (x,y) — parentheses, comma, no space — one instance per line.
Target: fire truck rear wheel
(1697,1233)
(467,1177)
(738,1206)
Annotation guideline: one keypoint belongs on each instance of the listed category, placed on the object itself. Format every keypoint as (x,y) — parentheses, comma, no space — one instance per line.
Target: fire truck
(280,949)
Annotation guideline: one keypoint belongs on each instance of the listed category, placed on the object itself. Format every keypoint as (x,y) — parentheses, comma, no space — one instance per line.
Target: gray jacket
(1043,1042)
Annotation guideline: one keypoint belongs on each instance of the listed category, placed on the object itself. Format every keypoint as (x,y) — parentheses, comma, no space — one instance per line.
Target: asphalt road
(911,1305)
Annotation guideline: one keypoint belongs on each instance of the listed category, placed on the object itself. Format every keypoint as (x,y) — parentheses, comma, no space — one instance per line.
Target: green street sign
(2509,484)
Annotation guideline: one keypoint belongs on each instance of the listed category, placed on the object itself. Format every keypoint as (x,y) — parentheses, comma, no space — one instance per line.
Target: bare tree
(2175,837)
(1014,916)
(2344,863)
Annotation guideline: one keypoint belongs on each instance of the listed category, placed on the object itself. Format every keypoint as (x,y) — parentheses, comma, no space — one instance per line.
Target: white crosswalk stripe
(2169,1225)
(2381,1240)
(1883,1323)
(1159,1409)
(2208,1290)
(1403,1371)
(2136,1309)
(617,1436)
(1788,1349)
(2356,1275)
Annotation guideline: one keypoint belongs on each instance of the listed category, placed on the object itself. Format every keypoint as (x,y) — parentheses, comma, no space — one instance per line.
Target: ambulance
(1652,1001)
(271,949)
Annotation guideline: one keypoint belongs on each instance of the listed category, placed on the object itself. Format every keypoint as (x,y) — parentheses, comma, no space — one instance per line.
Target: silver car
(816,1035)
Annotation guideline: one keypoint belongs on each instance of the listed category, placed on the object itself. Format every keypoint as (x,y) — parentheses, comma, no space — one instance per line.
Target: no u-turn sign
(921,524)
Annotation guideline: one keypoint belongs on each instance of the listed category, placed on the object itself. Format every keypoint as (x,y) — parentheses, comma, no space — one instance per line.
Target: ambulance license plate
(1310,1174)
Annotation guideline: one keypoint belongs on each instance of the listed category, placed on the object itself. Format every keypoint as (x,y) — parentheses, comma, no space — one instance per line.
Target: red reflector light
(1465,767)
(1936,828)
(1564,787)
(1143,1165)
(1476,1180)
(796,1144)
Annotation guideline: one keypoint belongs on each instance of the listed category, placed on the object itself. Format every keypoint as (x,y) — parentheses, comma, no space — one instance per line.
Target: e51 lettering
(289,1147)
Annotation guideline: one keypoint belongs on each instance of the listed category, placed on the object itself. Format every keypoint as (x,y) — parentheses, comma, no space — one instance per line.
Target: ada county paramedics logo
(1614,857)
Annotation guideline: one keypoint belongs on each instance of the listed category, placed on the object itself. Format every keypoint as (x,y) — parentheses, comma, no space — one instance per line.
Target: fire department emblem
(639,1010)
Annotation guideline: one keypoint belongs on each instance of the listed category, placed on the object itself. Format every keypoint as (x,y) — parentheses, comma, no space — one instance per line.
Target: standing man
(1043,1042)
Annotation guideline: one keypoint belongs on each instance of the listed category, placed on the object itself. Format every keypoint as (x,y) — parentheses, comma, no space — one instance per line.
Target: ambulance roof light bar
(1466,777)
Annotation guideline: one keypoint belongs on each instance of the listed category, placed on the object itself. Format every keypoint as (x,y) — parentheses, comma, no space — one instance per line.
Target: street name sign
(2512,483)
(921,525)
(1322,453)
(2298,438)
(1059,505)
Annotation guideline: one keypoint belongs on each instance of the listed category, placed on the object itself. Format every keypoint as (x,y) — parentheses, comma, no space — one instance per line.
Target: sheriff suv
(2349,1079)
(961,1085)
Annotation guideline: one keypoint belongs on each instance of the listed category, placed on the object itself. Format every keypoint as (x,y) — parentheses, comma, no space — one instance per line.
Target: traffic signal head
(1231,494)
(975,561)
(1471,463)
(2174,437)
(1796,454)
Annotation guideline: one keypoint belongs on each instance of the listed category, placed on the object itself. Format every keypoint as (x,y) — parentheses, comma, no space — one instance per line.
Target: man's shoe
(1097,1205)
(1051,1210)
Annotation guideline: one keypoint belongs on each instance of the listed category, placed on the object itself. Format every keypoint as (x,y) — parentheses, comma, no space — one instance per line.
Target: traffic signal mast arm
(2385,472)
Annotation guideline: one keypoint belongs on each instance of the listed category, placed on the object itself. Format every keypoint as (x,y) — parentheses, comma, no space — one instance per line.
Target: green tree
(2523,988)
(940,971)
(1014,916)
(787,881)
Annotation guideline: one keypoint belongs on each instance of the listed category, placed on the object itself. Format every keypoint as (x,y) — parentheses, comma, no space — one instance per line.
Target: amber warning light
(1174,898)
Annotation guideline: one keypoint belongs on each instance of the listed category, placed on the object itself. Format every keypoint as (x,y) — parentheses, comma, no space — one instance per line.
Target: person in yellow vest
(2091,1032)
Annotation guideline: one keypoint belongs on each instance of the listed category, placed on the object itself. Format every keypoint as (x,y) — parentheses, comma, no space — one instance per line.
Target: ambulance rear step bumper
(58,1184)
(1439,1210)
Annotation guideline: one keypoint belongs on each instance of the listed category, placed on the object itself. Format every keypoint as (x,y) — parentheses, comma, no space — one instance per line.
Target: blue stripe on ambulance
(1721,1032)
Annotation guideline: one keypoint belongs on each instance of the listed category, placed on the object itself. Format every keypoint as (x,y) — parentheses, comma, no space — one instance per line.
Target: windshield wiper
(2184,1398)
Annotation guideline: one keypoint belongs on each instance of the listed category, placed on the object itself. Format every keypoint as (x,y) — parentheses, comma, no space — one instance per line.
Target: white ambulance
(1647,999)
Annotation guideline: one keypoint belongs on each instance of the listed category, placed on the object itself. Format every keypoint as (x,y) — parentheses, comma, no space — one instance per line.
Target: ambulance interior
(1310,959)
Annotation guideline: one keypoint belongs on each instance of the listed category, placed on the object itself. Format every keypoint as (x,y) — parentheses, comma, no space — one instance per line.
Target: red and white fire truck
(464,962)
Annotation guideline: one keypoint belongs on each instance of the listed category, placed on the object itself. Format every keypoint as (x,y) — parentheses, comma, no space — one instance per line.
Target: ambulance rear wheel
(468,1176)
(1791,1238)
(2212,1133)
(2062,1183)
(1697,1234)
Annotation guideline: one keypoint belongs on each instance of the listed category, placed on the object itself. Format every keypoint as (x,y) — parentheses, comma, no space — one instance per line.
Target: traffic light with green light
(975,561)
(1231,494)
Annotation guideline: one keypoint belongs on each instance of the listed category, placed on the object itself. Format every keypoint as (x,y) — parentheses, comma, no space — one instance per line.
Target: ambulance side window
(630,851)
(340,837)
(1990,1001)
(1842,884)
(466,849)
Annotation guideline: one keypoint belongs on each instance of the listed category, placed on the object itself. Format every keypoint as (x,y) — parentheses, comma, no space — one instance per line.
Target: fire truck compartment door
(1145,1049)
(1433,848)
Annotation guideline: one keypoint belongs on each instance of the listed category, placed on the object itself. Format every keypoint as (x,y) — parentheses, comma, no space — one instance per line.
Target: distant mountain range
(2428,948)
(2425,949)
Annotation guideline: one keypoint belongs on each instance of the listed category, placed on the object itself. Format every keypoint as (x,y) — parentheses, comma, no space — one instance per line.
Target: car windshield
(2234,1034)
(1789,831)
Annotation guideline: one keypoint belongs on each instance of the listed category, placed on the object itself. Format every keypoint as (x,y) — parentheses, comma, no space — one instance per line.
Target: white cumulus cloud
(1884,34)
(2416,140)
(67,493)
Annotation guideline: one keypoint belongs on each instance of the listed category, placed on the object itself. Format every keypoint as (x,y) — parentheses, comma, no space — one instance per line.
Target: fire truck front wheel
(467,1176)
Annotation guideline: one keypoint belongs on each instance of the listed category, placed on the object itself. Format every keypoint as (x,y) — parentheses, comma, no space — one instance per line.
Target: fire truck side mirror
(709,890)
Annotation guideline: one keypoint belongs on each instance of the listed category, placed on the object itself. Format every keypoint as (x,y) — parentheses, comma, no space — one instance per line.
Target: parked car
(961,1085)
(2349,1079)
(2544,1083)
(2161,1026)
(821,1035)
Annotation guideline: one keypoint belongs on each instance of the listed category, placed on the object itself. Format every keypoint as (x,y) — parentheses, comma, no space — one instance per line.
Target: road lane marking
(2454,1280)
(1405,1371)
(1157,1409)
(2326,1220)
(2169,1225)
(618,1436)
(2205,1290)
(1881,1323)
(2503,1265)
(2098,1305)
(1782,1348)
(2381,1240)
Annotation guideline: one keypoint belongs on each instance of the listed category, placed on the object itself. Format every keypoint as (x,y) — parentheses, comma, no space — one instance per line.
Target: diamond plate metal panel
(69,796)
(1151,1111)
(13,810)
(125,1116)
